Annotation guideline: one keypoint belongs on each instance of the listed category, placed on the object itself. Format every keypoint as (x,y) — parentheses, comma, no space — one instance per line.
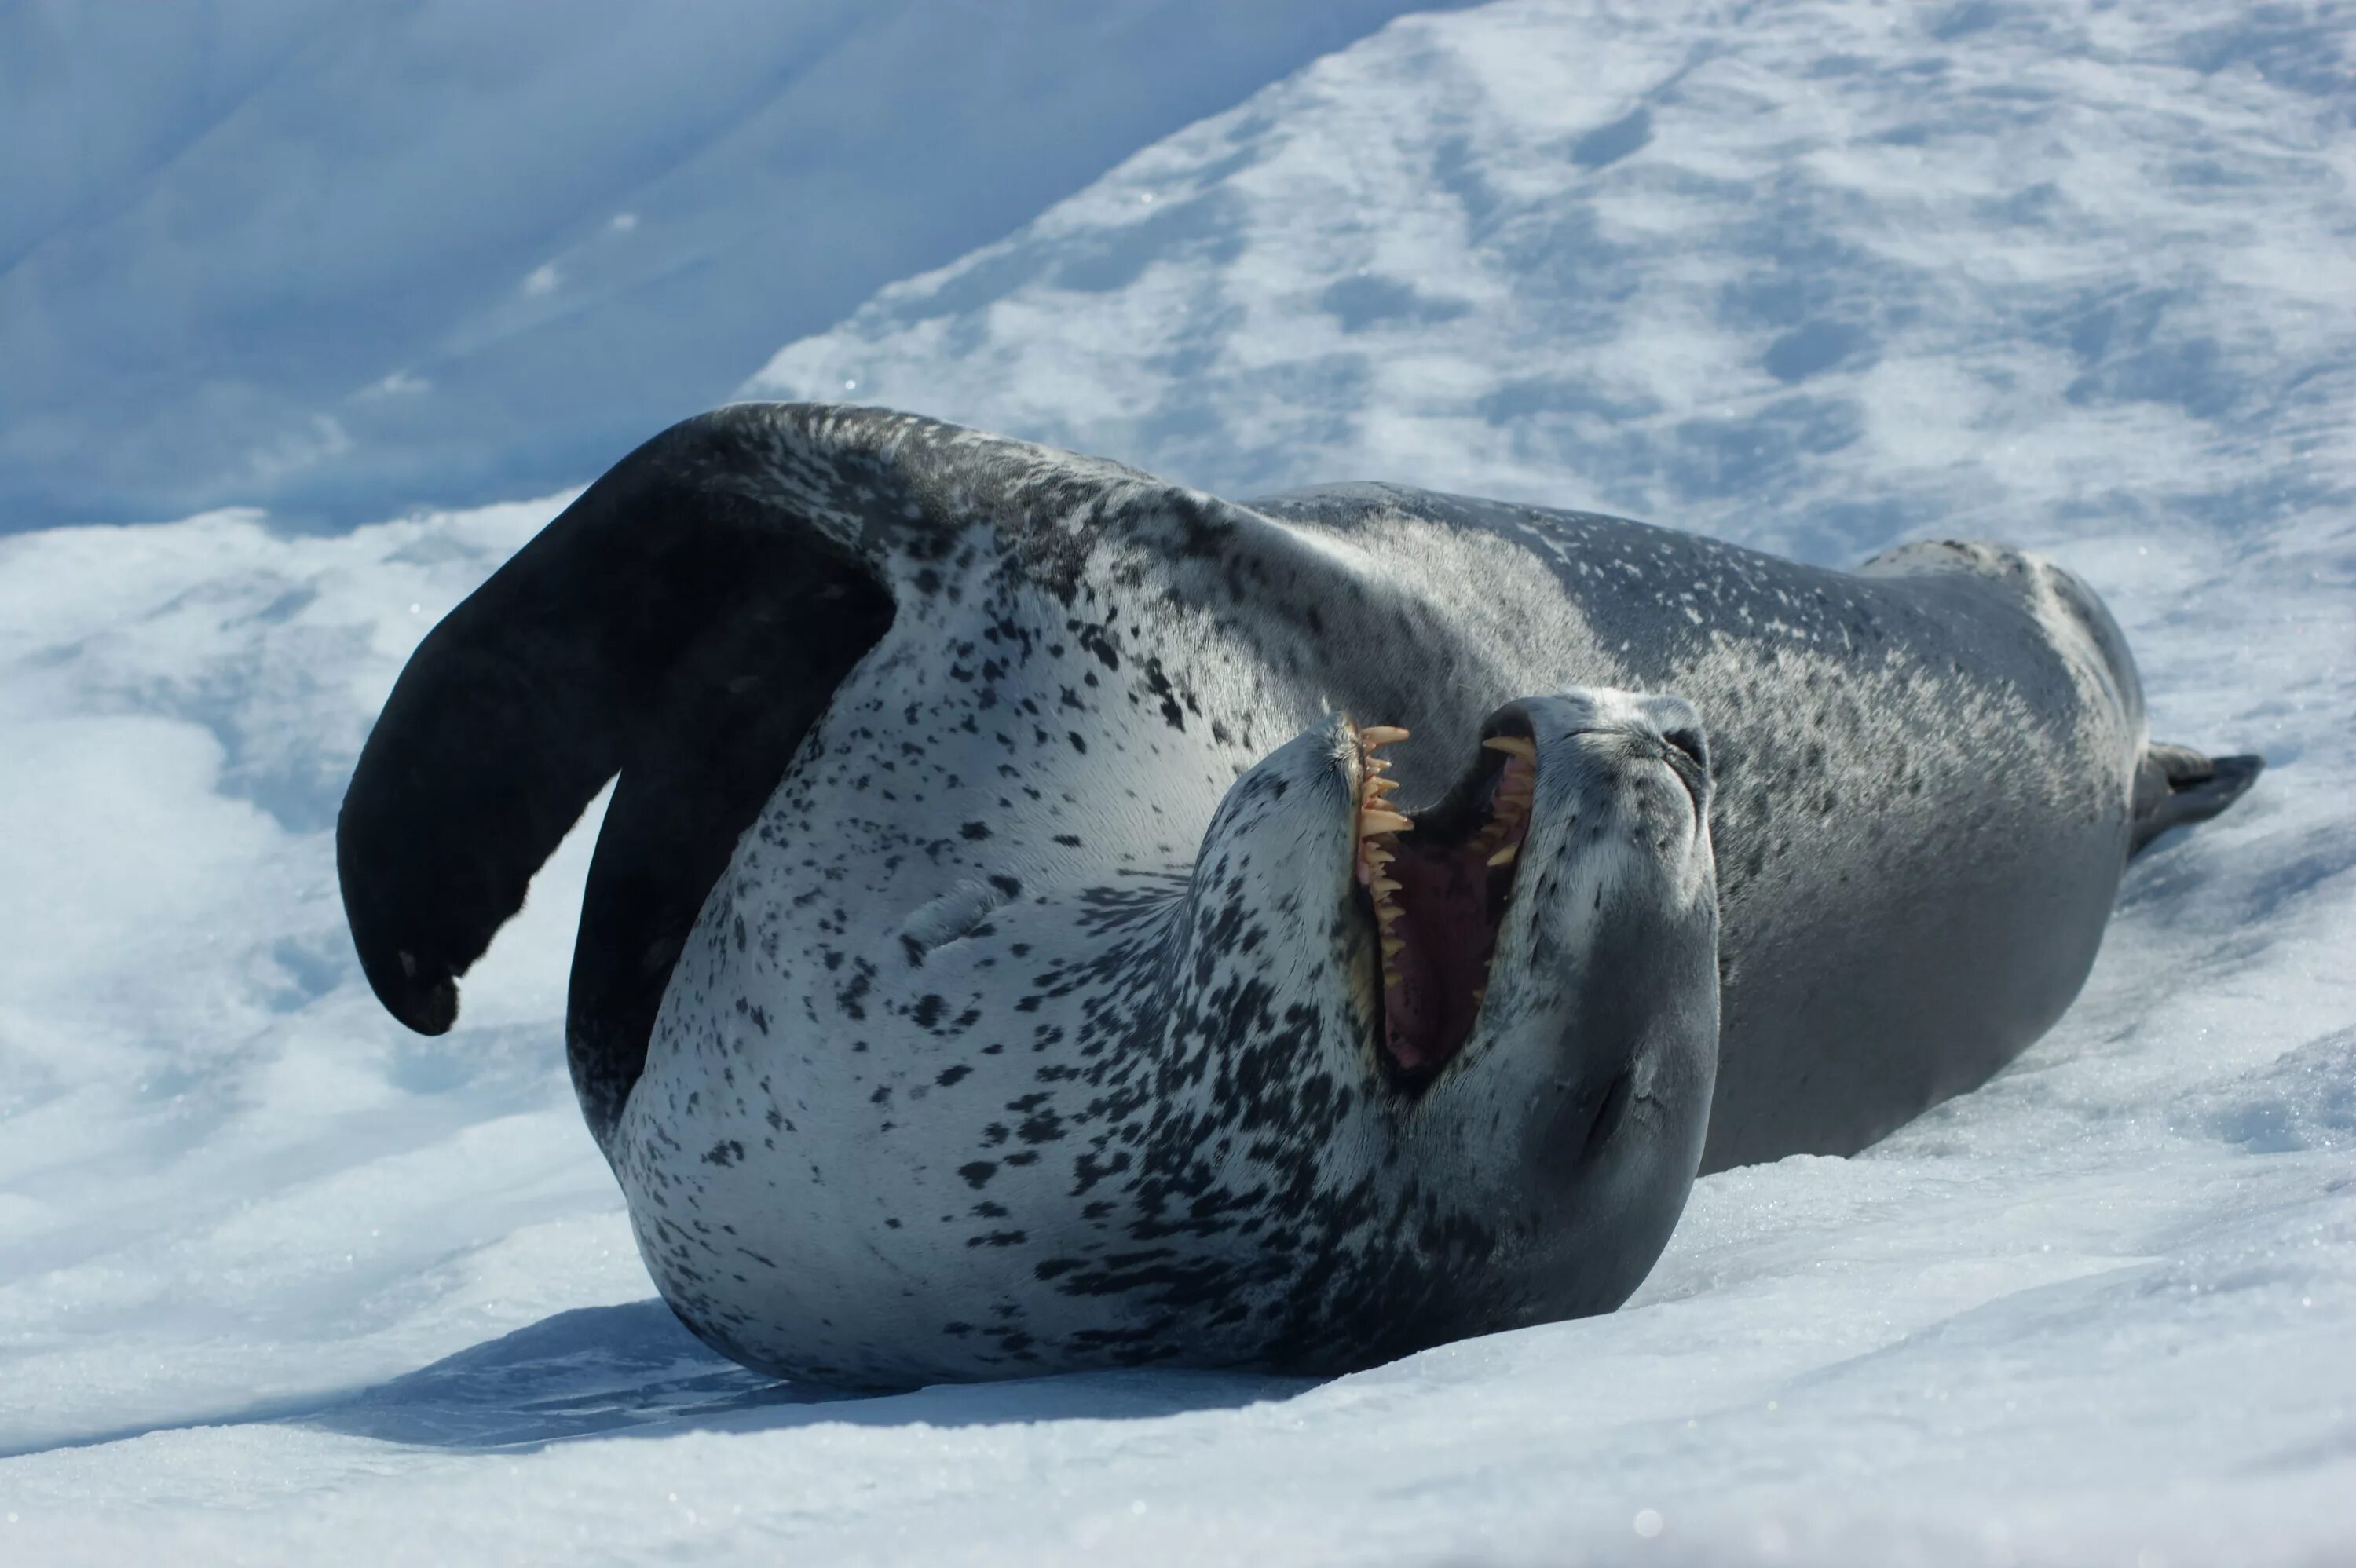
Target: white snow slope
(281,1283)
(342,259)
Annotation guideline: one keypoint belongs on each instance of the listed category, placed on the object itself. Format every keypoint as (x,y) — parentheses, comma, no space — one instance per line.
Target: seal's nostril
(1610,1111)
(1688,740)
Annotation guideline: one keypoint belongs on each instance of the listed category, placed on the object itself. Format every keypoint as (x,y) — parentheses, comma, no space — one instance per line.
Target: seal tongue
(1438,904)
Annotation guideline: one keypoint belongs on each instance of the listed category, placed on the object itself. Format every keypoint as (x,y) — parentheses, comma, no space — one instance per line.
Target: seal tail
(2176,786)
(677,624)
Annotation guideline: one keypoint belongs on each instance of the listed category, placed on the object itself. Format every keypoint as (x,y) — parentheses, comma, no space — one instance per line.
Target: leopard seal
(1025,936)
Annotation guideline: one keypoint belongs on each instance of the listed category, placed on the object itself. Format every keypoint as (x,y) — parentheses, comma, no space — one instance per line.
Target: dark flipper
(679,630)
(2175,785)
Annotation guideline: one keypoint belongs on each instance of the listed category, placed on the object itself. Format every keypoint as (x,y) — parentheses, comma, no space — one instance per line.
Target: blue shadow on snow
(632,1370)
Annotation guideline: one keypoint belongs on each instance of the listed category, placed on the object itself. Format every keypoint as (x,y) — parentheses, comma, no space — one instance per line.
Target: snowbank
(278,1282)
(346,260)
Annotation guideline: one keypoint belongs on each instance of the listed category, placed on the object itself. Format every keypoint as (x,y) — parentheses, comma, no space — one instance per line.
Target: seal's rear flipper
(2177,785)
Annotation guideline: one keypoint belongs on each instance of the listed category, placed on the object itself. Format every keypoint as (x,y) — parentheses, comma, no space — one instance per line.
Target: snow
(279,1282)
(346,260)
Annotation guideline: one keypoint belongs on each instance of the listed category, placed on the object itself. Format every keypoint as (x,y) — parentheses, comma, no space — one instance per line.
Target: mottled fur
(1028,1024)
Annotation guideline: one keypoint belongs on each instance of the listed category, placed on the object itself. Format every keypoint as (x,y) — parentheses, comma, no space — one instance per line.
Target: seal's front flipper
(683,623)
(2175,785)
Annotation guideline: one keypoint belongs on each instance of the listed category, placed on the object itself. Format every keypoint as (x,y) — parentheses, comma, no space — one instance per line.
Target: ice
(281,1283)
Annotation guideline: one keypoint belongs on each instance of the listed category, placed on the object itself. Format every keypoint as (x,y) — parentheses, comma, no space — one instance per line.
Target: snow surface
(342,259)
(281,1283)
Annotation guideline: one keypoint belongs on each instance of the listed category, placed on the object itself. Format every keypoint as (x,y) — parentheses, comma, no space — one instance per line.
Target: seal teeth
(1504,857)
(1374,815)
(1520,746)
(1376,822)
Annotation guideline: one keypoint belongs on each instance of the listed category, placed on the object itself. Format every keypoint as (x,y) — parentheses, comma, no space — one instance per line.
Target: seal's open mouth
(1437,890)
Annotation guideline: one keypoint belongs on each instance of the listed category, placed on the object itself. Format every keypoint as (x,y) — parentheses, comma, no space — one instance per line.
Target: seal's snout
(1619,727)
(1439,883)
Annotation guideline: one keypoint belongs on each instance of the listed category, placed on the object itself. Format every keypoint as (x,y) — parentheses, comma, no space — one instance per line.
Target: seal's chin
(1435,888)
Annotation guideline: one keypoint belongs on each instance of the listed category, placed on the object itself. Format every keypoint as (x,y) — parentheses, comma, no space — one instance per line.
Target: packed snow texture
(280,1283)
(343,260)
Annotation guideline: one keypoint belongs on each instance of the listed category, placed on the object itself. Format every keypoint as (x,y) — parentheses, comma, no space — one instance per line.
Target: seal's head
(1516,982)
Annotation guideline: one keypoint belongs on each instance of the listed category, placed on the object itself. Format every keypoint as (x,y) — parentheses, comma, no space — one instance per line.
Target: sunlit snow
(282,1283)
